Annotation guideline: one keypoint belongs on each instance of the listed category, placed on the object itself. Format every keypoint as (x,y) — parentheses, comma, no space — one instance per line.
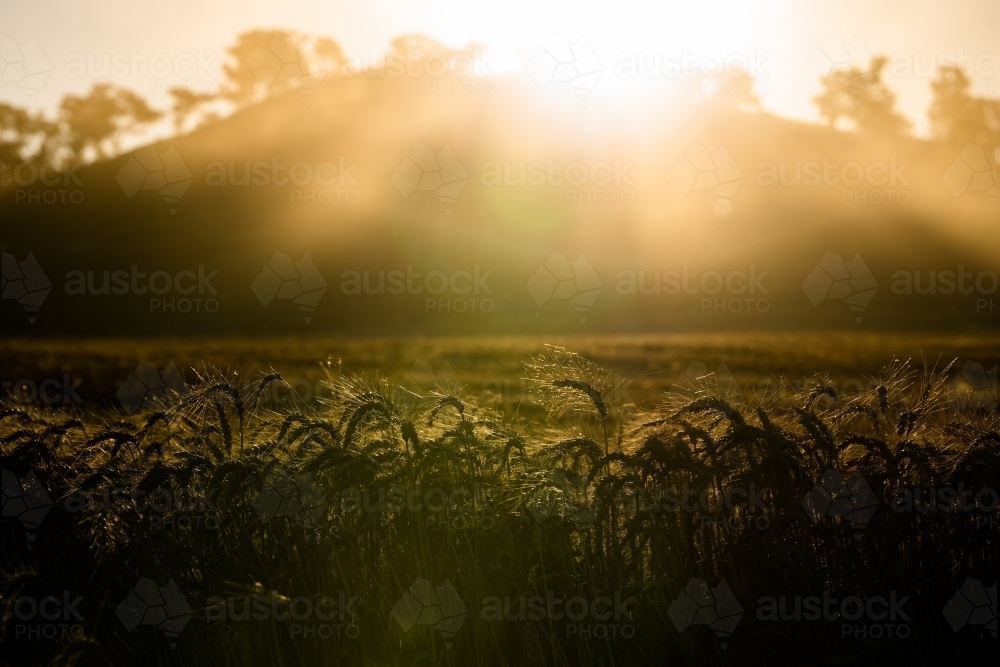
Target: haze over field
(431,197)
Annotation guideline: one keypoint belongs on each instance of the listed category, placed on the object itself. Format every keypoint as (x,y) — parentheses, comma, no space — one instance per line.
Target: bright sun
(636,44)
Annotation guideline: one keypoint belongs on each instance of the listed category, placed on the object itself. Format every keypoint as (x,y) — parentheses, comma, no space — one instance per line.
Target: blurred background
(331,170)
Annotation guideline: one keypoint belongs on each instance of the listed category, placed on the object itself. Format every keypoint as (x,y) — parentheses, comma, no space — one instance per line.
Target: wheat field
(403,516)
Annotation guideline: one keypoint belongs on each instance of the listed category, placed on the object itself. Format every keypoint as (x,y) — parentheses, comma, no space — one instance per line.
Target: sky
(784,43)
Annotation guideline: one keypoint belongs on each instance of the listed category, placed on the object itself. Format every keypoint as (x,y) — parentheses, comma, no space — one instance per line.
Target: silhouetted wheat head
(375,486)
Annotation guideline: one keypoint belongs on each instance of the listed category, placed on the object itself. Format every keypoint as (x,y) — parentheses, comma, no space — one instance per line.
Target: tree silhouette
(267,62)
(89,127)
(329,53)
(186,104)
(862,98)
(24,137)
(262,63)
(958,117)
(92,125)
(241,84)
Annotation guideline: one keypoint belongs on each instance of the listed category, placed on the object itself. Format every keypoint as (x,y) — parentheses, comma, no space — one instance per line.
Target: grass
(483,365)
(385,495)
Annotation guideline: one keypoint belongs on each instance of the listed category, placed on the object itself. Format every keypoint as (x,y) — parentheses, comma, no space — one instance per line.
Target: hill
(470,213)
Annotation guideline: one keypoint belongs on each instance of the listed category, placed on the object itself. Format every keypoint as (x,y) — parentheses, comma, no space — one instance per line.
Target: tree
(958,117)
(329,54)
(861,98)
(417,50)
(92,125)
(186,104)
(266,62)
(30,137)
(244,72)
(13,122)
(418,47)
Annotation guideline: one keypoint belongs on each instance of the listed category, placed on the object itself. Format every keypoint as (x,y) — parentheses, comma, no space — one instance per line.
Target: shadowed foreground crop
(383,527)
